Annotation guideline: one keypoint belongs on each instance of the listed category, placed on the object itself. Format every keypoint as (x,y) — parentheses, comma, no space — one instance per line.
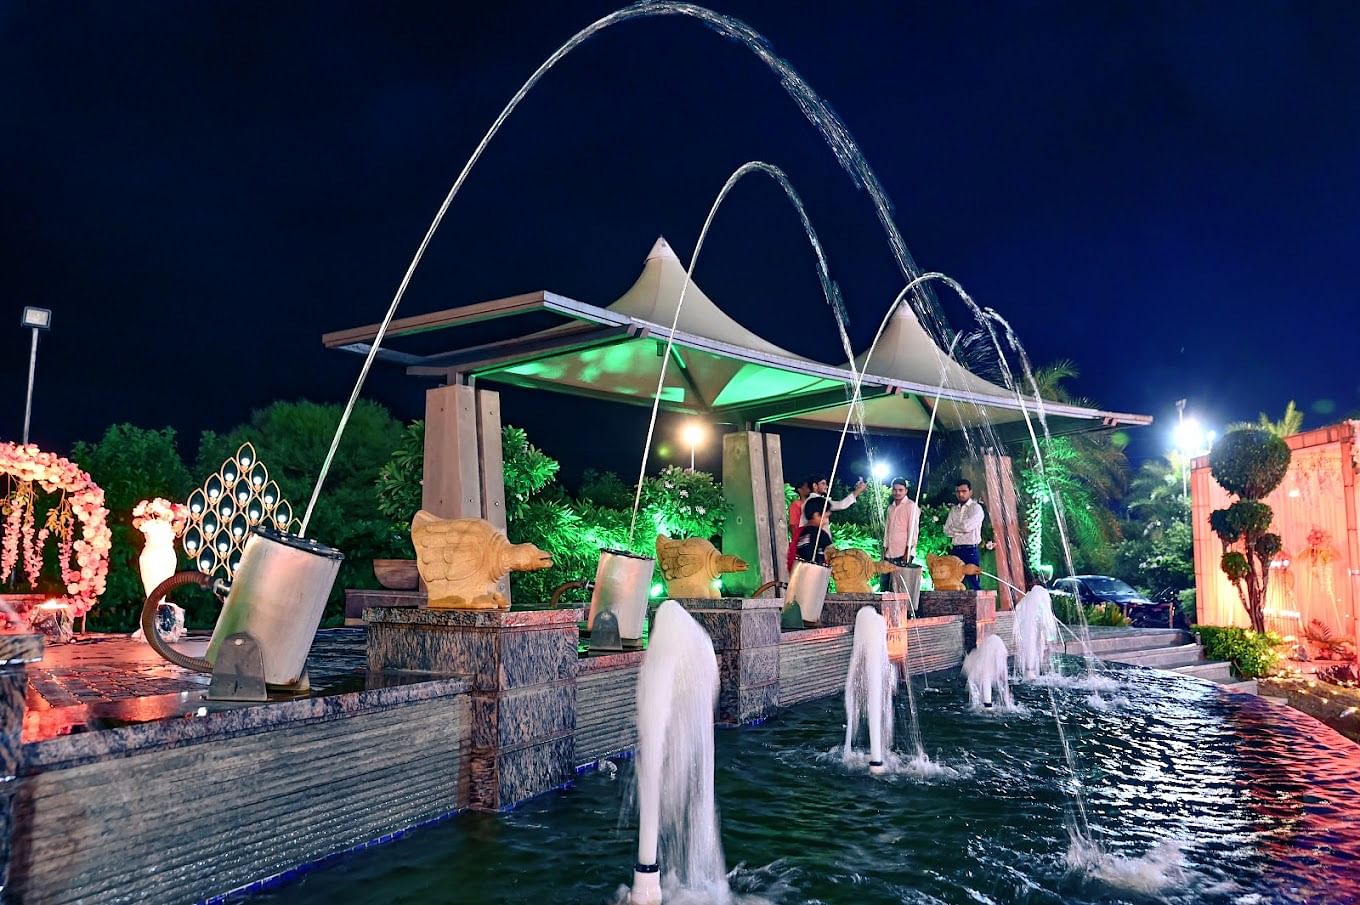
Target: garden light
(693,434)
(880,471)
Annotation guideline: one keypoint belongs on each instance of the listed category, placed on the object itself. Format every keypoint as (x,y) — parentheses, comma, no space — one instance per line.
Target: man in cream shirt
(900,526)
(963,527)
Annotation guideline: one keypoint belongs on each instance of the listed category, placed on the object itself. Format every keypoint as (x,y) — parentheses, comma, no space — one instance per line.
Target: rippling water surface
(1193,796)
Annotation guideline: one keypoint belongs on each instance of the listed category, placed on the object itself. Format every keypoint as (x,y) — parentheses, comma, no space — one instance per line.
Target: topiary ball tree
(1248,463)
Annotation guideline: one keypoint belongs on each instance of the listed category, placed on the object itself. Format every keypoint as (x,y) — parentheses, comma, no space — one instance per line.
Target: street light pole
(37,319)
(32,368)
(1185,472)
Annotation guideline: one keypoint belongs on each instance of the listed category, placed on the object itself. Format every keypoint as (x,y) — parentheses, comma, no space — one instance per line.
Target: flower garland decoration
(176,515)
(83,560)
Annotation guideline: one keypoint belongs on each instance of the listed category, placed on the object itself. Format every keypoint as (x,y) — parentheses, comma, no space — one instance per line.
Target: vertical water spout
(869,688)
(677,814)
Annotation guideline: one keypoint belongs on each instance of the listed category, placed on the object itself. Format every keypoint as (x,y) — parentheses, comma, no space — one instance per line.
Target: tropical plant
(1288,425)
(399,480)
(1157,551)
(1253,654)
(1107,614)
(1248,463)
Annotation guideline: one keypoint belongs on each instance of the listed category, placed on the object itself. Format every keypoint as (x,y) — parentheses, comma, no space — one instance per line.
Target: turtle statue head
(852,569)
(462,559)
(947,572)
(690,566)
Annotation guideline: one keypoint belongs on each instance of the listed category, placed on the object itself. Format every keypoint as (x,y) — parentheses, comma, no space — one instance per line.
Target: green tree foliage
(291,439)
(1288,425)
(1248,463)
(130,464)
(1157,553)
(539,511)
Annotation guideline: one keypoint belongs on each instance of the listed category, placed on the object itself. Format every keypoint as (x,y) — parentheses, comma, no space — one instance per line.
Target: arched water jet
(829,290)
(822,117)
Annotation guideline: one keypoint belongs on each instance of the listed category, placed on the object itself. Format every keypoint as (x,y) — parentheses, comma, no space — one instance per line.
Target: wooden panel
(452,484)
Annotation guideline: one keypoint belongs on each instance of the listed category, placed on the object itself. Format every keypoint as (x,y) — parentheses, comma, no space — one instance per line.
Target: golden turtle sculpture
(853,569)
(947,572)
(689,566)
(461,559)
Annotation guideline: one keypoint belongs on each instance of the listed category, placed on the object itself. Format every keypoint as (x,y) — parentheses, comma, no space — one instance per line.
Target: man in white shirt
(820,486)
(900,525)
(963,527)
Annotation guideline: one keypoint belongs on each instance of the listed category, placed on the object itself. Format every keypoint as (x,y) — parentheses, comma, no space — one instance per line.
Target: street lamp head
(1191,439)
(693,434)
(37,318)
(880,471)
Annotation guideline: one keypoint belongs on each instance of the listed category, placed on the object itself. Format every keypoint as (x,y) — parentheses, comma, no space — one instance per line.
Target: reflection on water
(1194,796)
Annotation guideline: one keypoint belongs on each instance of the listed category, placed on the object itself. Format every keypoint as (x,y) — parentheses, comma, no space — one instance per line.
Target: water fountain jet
(677,692)
(986,671)
(869,688)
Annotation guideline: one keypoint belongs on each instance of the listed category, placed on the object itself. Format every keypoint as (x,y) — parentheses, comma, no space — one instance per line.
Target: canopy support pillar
(757,530)
(464,474)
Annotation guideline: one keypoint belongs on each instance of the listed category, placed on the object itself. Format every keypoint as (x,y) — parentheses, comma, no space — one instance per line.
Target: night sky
(1167,193)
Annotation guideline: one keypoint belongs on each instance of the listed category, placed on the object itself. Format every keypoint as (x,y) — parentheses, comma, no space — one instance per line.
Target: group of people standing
(808,514)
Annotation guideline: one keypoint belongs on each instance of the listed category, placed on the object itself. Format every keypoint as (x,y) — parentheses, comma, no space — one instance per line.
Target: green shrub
(1253,654)
(1107,614)
(1188,606)
(1249,462)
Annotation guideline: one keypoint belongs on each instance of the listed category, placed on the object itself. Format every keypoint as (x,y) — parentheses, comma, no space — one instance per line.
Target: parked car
(1090,590)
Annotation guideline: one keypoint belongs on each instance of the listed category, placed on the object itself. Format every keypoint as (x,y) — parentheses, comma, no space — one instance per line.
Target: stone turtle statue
(947,572)
(853,569)
(689,566)
(462,559)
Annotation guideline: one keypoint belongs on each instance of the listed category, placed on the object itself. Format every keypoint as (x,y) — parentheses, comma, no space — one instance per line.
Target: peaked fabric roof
(719,368)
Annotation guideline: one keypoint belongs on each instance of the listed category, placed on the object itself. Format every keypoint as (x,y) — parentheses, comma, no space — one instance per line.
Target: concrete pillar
(522,667)
(464,473)
(758,529)
(1006,527)
(978,609)
(745,637)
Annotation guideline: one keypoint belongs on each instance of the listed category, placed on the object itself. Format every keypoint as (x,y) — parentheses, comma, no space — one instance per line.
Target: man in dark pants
(963,527)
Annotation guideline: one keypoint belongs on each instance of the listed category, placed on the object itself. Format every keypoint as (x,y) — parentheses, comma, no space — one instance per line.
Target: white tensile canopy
(719,369)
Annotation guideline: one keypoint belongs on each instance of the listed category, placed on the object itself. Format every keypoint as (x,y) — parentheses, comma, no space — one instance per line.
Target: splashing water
(822,117)
(869,688)
(1160,870)
(986,671)
(677,814)
(1036,631)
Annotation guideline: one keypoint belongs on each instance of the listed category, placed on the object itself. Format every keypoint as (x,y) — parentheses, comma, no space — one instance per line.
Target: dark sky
(1167,193)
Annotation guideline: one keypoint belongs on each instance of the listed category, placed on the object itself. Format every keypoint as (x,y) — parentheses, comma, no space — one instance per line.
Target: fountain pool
(1195,795)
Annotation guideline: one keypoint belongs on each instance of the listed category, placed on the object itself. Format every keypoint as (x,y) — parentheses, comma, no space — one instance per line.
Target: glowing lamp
(880,471)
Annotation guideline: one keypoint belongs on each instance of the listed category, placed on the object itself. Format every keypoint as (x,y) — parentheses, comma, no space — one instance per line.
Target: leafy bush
(1106,614)
(604,488)
(1188,606)
(1249,462)
(398,486)
(1253,654)
(130,464)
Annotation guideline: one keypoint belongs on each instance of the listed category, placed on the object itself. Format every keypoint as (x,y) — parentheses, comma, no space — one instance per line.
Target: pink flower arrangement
(84,561)
(176,515)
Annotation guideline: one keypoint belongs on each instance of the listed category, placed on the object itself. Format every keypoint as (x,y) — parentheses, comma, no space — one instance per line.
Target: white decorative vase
(158,562)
